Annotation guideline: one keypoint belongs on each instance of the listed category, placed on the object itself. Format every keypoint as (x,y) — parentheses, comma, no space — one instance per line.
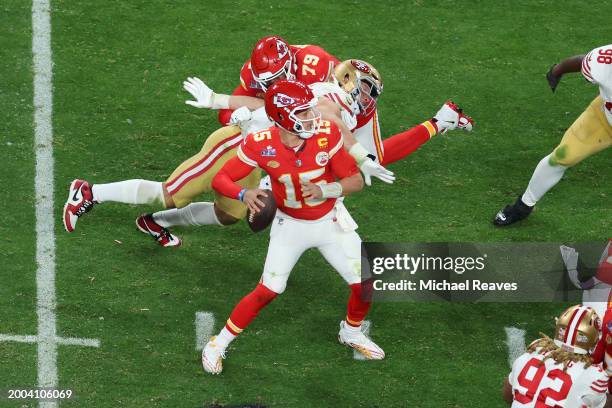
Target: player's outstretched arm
(207,98)
(554,74)
(369,168)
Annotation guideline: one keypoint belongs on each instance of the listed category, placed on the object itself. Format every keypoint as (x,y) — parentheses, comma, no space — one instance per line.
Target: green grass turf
(119,114)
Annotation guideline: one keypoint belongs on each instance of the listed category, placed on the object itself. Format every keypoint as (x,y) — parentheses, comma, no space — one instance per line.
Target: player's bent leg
(589,134)
(343,252)
(194,176)
(82,196)
(284,250)
(243,314)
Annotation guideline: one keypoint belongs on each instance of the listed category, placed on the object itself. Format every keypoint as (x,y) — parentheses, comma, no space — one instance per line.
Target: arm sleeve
(224,181)
(225,114)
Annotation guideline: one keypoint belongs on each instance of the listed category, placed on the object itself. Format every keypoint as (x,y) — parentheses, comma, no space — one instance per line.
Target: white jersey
(597,68)
(348,108)
(534,384)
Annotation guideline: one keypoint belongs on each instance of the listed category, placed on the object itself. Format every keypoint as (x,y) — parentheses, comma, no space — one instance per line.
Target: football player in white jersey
(559,372)
(589,134)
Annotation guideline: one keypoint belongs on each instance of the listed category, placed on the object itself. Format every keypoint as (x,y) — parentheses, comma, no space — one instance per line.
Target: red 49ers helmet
(271,59)
(285,99)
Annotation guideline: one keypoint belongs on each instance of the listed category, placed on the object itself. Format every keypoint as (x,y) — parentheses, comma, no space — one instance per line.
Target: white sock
(545,177)
(351,329)
(224,338)
(193,214)
(129,192)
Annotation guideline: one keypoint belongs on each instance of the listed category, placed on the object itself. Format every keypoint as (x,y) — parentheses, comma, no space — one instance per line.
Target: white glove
(370,168)
(570,258)
(240,116)
(204,96)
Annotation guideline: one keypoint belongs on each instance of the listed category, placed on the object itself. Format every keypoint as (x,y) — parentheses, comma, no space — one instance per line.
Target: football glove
(240,116)
(369,167)
(204,96)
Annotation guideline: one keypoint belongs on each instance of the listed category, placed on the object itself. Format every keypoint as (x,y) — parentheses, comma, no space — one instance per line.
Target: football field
(108,314)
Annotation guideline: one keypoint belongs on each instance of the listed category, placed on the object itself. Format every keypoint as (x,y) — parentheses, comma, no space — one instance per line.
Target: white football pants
(333,235)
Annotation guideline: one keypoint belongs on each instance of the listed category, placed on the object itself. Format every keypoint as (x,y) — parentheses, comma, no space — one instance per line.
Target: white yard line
(204,326)
(67,341)
(45,235)
(47,338)
(515,340)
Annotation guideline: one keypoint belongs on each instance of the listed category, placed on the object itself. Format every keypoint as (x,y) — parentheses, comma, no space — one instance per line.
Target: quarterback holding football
(309,172)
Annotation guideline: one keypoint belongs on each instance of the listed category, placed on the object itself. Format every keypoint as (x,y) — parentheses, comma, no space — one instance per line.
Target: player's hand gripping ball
(264,200)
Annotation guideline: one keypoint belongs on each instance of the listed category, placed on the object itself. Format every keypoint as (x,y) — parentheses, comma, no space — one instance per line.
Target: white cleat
(212,357)
(360,342)
(451,117)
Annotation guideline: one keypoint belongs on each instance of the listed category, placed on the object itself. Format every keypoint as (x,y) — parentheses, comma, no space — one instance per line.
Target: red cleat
(80,200)
(147,225)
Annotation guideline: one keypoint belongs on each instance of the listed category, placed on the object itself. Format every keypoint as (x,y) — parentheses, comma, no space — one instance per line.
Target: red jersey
(311,64)
(320,159)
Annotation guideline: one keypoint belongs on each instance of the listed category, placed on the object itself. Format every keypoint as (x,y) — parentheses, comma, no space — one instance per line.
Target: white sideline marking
(45,234)
(67,341)
(47,338)
(204,326)
(365,328)
(515,340)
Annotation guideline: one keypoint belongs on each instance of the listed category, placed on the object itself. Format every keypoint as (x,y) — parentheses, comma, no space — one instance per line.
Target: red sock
(401,145)
(357,308)
(247,309)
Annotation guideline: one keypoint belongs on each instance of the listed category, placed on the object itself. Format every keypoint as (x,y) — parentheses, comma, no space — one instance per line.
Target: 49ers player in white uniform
(309,170)
(588,135)
(559,372)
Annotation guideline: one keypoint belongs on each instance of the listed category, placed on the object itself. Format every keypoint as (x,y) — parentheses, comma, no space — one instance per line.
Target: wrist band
(331,190)
(219,101)
(241,194)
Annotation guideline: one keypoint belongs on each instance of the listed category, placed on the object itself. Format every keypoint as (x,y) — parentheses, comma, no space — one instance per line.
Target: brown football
(260,221)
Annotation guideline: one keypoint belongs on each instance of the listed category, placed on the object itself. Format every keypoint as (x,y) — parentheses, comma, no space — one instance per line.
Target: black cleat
(512,213)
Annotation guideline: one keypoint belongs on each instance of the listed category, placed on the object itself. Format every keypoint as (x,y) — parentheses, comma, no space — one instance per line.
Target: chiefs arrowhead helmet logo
(281,100)
(282,49)
(361,66)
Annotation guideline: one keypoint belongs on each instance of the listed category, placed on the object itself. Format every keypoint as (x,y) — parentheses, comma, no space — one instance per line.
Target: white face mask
(307,125)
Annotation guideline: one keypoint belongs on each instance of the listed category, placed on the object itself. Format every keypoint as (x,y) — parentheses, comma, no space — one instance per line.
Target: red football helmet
(291,105)
(271,60)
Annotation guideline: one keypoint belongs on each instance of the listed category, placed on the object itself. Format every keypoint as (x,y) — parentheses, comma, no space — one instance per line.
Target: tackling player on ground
(309,171)
(559,372)
(589,134)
